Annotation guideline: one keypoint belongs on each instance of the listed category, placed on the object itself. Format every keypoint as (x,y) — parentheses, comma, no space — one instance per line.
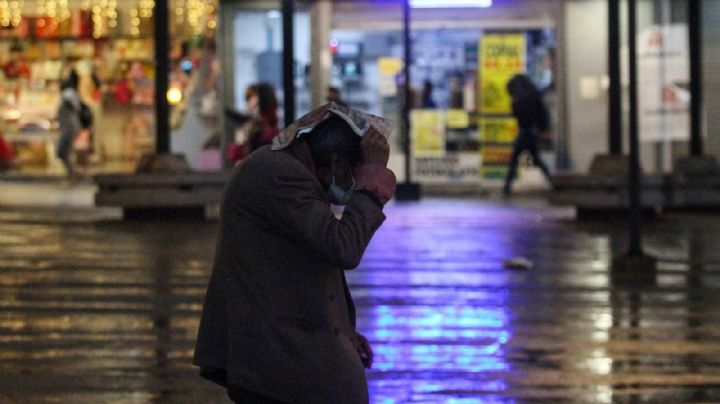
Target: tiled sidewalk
(107,312)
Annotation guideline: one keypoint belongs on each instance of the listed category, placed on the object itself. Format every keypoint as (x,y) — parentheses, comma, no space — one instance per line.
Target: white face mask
(339,196)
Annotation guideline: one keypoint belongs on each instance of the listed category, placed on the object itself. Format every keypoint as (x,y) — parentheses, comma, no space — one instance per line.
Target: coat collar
(301,151)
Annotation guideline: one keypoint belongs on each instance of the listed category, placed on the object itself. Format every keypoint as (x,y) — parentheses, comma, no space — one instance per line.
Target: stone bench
(163,185)
(160,190)
(605,189)
(158,196)
(590,192)
(695,184)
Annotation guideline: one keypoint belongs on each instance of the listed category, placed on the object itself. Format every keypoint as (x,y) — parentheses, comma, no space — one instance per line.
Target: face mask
(339,196)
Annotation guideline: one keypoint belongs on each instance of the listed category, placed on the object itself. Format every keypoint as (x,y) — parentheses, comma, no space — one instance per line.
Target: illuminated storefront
(109,43)
(363,59)
(461,128)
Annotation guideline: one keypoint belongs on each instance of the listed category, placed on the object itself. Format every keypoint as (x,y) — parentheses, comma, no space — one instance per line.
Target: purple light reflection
(435,303)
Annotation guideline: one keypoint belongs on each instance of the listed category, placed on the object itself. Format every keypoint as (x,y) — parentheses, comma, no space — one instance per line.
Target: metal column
(320,25)
(407,104)
(408,190)
(615,89)
(635,203)
(696,80)
(162,71)
(288,13)
(634,266)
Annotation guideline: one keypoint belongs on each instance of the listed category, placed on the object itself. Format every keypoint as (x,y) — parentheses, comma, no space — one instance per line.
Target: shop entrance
(462,128)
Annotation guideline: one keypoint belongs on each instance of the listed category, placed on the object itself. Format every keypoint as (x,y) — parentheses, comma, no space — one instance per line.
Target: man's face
(341,169)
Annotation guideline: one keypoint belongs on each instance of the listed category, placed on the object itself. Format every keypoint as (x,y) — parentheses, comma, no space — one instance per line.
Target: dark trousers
(64,152)
(526,141)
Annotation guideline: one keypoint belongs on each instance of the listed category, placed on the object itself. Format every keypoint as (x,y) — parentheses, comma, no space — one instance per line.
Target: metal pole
(288,13)
(635,206)
(408,93)
(162,71)
(320,72)
(615,90)
(695,38)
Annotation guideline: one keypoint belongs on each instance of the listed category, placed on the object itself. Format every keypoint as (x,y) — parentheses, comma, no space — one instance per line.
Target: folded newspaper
(360,122)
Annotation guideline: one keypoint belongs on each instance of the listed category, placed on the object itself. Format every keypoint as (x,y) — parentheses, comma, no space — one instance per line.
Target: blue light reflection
(436,307)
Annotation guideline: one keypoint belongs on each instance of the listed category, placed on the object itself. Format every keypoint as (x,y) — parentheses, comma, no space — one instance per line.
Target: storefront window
(663,87)
(109,45)
(462,127)
(194,83)
(253,87)
(258,55)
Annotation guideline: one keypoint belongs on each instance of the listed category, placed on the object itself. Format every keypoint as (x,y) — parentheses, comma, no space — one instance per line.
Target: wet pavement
(107,312)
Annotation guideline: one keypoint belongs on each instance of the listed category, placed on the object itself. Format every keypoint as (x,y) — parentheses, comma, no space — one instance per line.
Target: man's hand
(375,148)
(364,350)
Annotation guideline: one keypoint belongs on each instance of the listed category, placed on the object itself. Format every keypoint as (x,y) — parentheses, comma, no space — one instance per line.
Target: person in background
(122,93)
(427,100)
(278,322)
(89,90)
(69,120)
(533,119)
(262,106)
(261,121)
(335,95)
(7,154)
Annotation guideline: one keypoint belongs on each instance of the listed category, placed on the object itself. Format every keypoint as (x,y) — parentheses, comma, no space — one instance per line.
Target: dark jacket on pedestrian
(527,105)
(69,121)
(278,318)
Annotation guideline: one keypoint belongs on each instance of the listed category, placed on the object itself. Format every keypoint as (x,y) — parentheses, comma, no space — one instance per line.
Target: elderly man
(278,324)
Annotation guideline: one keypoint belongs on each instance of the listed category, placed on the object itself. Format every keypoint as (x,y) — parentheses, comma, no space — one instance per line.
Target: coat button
(336,331)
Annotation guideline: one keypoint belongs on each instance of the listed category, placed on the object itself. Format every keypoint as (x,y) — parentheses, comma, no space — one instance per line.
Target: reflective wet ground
(106,312)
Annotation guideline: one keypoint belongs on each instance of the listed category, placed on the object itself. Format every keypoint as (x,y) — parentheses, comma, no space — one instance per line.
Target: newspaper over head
(360,122)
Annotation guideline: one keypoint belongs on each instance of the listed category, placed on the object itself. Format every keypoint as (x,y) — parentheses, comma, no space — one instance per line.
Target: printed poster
(389,68)
(458,119)
(501,57)
(664,80)
(454,167)
(428,132)
(498,130)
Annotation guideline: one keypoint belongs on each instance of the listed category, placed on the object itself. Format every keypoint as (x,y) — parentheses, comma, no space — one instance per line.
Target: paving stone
(107,311)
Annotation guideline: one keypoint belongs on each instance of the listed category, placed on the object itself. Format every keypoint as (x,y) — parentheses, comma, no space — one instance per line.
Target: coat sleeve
(294,201)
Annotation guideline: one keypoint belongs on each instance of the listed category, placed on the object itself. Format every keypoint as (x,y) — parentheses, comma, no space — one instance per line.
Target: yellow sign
(498,135)
(501,57)
(498,130)
(428,131)
(390,66)
(496,155)
(458,119)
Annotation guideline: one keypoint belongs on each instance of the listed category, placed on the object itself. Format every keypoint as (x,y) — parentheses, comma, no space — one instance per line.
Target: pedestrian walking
(70,122)
(427,95)
(278,324)
(261,121)
(533,119)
